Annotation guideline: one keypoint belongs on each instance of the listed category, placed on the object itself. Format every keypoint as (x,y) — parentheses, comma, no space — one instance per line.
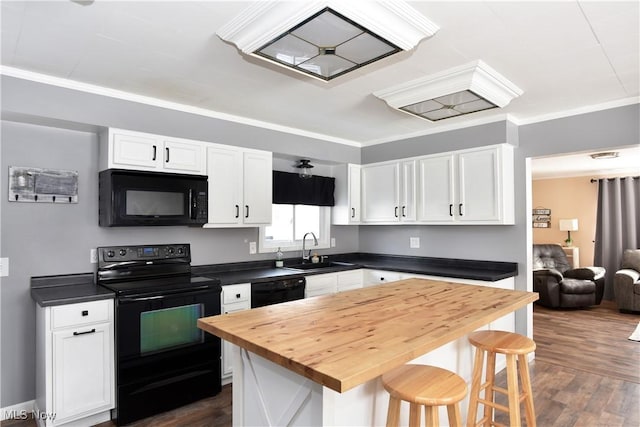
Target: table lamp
(569,225)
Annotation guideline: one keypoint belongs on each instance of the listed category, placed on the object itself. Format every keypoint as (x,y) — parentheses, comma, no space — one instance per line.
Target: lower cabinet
(378,277)
(330,283)
(233,298)
(75,382)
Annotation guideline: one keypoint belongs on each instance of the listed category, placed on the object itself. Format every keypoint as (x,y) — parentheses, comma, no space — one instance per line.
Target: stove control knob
(171,250)
(111,254)
(123,252)
(181,250)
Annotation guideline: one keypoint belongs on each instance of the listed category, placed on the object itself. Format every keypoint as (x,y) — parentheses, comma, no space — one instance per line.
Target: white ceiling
(567,57)
(581,164)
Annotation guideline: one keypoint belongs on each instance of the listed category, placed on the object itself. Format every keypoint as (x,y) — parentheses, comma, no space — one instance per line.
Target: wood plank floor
(586,374)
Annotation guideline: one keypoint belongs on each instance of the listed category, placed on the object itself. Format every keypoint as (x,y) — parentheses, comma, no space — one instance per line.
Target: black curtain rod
(632,177)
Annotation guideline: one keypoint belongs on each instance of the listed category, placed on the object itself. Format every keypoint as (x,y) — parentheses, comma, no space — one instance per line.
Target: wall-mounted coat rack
(42,185)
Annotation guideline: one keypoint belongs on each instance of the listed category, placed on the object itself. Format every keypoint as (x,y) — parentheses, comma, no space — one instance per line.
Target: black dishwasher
(277,291)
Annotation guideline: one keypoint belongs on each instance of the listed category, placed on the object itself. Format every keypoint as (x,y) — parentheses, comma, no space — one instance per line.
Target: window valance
(290,189)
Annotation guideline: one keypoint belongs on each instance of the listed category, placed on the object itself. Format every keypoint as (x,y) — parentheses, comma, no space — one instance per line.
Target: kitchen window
(290,223)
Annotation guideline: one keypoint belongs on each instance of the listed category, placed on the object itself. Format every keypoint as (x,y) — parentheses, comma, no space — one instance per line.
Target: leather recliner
(560,286)
(626,282)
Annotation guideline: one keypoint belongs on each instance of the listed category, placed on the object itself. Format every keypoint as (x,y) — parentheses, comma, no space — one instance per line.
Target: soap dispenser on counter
(279,259)
(315,258)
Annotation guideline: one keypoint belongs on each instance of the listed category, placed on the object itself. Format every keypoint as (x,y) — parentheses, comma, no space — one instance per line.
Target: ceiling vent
(455,92)
(326,39)
(604,155)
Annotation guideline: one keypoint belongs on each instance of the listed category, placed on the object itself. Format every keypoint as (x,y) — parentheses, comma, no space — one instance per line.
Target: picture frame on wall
(541,218)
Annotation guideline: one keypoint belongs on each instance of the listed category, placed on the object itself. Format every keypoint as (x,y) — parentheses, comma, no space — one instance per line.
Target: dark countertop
(67,289)
(261,271)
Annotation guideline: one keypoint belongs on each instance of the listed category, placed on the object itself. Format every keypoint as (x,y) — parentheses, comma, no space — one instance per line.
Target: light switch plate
(252,248)
(414,242)
(333,242)
(4,267)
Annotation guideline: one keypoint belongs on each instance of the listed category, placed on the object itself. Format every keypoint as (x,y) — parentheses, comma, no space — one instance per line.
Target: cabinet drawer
(236,293)
(236,306)
(81,313)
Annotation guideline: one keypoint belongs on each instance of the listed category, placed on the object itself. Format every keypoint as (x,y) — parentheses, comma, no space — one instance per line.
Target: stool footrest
(494,405)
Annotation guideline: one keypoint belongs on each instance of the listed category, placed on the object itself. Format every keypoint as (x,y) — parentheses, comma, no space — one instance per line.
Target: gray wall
(48,239)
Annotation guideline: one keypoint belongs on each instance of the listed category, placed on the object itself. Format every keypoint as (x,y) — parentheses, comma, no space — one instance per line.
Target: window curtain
(617,224)
(290,189)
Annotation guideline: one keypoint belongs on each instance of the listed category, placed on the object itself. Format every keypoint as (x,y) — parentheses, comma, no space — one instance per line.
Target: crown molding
(156,102)
(263,21)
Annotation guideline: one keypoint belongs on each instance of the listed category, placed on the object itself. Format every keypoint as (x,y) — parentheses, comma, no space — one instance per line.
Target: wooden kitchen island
(317,361)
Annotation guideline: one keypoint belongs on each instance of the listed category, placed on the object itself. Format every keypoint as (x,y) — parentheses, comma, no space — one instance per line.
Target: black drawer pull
(237,295)
(85,312)
(85,332)
(451,210)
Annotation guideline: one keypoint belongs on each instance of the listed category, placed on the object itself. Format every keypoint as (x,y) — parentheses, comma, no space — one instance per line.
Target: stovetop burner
(149,269)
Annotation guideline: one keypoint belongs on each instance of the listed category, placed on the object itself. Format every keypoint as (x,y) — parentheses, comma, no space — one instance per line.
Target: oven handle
(204,289)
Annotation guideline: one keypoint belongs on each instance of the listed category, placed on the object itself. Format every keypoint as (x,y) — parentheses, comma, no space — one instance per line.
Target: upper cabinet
(389,192)
(240,186)
(347,209)
(467,187)
(124,149)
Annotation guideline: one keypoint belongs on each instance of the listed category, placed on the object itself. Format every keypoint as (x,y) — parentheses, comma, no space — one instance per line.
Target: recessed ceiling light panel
(326,39)
(462,90)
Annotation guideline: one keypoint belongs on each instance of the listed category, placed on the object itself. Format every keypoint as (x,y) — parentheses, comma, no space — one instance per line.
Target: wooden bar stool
(513,346)
(427,386)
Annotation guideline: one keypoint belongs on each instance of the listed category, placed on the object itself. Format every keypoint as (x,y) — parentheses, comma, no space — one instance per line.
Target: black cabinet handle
(237,211)
(85,312)
(247,213)
(84,333)
(237,295)
(155,151)
(395,212)
(353,212)
(451,209)
(404,208)
(460,209)
(166,160)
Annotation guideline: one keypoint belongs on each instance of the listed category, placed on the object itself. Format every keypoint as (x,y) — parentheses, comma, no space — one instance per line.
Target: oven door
(163,359)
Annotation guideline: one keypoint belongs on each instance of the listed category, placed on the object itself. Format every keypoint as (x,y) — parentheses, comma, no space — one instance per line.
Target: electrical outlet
(93,256)
(4,267)
(333,242)
(252,248)
(414,242)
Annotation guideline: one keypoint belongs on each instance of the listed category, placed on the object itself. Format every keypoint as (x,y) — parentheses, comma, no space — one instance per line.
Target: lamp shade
(569,224)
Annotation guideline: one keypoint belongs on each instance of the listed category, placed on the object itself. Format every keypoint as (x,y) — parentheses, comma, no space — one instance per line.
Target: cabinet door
(224,168)
(354,194)
(138,151)
(408,191)
(82,370)
(479,186)
(321,284)
(380,188)
(183,157)
(348,280)
(227,347)
(258,181)
(436,183)
(378,277)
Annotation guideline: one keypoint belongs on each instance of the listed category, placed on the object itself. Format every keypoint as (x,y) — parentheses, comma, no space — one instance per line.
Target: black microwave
(138,198)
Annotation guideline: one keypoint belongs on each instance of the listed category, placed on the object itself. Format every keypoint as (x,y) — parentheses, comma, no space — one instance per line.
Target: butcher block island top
(346,339)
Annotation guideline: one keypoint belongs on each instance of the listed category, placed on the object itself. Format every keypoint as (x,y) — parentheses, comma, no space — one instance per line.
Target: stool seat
(502,342)
(423,385)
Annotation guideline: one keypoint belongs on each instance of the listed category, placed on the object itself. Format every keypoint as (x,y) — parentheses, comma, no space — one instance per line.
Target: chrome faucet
(315,243)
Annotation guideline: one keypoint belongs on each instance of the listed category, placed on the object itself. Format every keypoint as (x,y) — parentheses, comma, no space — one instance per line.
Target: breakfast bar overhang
(318,361)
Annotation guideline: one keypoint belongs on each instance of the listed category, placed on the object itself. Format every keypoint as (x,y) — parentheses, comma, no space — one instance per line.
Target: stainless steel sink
(318,265)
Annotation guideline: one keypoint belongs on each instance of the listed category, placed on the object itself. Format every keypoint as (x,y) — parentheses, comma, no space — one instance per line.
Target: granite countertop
(329,339)
(67,289)
(261,271)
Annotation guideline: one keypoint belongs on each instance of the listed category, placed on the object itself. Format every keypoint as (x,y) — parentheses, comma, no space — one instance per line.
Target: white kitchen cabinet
(389,192)
(321,284)
(233,298)
(348,280)
(467,187)
(378,277)
(347,209)
(240,183)
(126,149)
(75,363)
